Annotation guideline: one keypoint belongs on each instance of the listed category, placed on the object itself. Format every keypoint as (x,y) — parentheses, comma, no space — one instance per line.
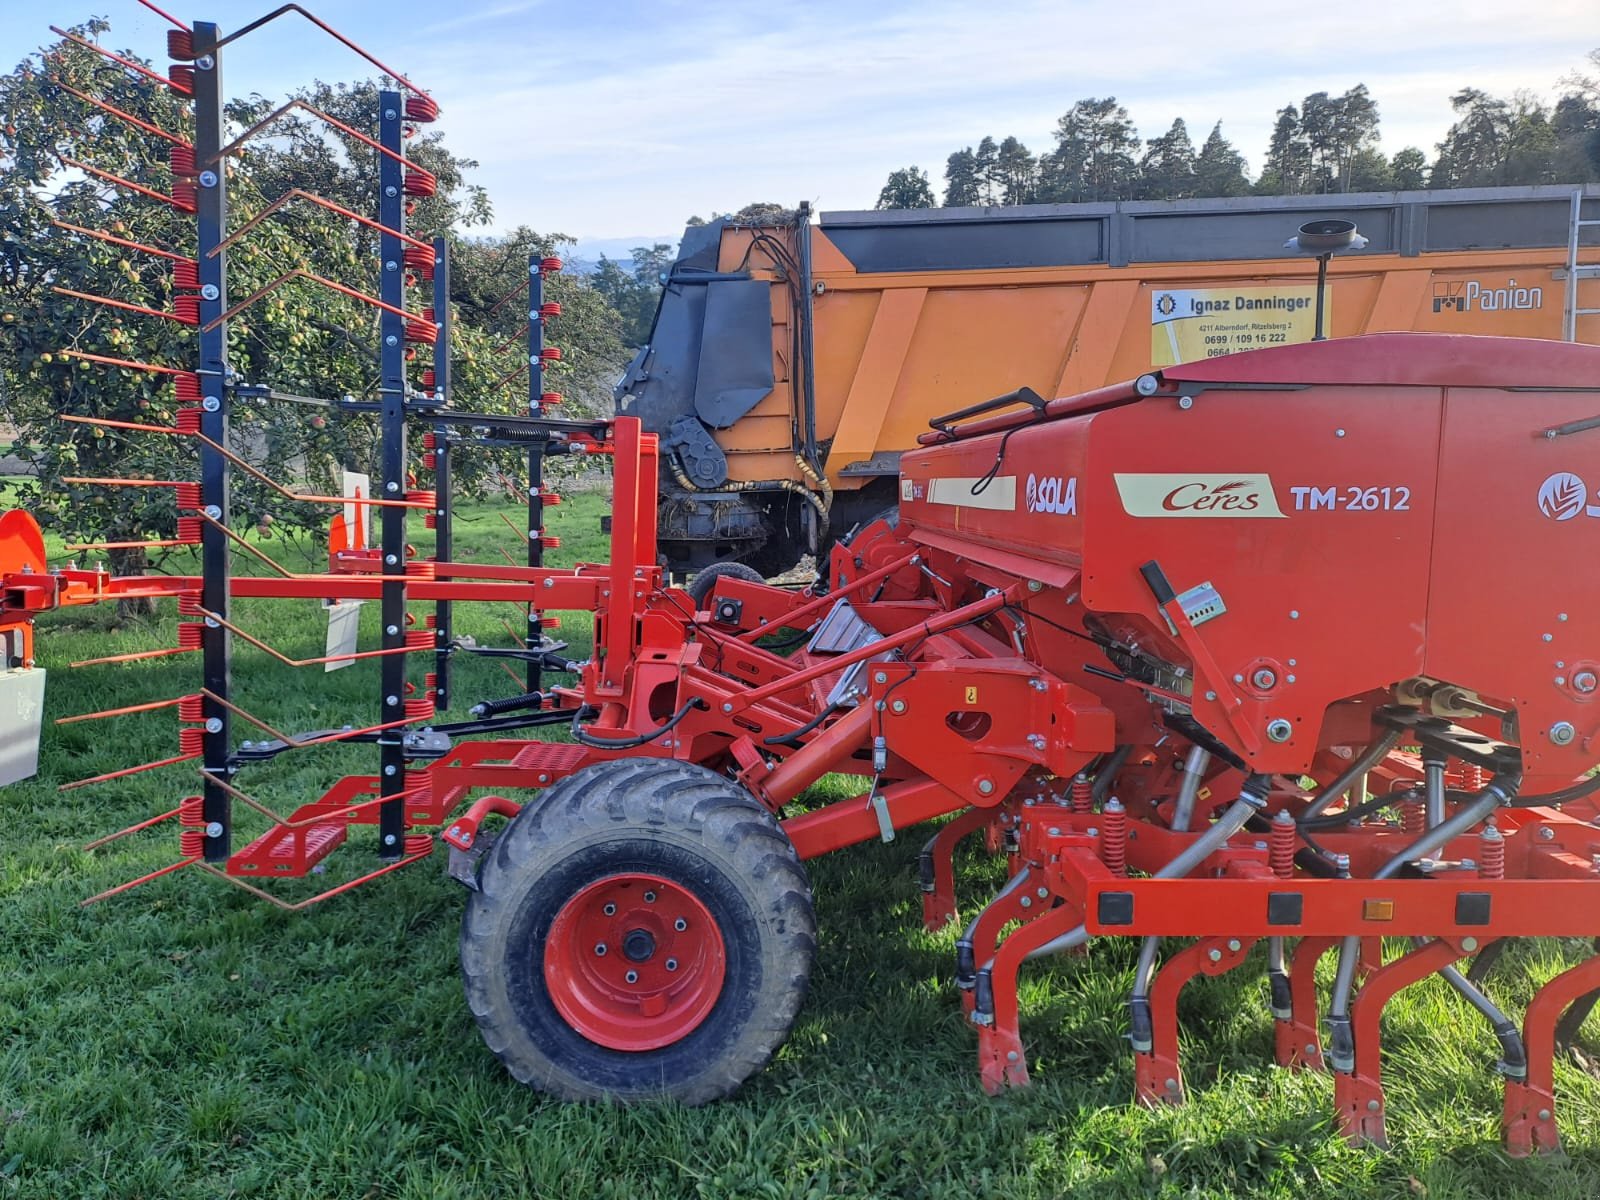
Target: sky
(613,121)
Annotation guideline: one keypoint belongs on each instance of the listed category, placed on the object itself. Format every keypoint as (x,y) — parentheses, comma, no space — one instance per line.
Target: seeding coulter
(1288,648)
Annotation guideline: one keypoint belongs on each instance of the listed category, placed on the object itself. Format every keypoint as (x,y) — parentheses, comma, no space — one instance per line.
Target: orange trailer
(790,364)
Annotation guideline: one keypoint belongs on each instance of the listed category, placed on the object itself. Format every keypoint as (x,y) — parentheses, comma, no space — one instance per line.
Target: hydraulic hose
(642,739)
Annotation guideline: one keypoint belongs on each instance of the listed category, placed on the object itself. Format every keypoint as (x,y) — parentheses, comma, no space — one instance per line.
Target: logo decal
(1562,496)
(1463,295)
(1053,494)
(1194,495)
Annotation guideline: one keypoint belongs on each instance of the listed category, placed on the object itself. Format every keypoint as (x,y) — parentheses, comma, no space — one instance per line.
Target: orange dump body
(906,315)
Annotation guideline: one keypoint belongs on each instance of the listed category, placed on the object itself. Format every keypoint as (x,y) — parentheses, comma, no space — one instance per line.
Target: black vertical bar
(215,643)
(443,543)
(535,452)
(391,215)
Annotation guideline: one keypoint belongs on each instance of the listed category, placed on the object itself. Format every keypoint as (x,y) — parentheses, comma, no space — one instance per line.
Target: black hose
(1365,809)
(1565,796)
(792,738)
(590,740)
(1106,773)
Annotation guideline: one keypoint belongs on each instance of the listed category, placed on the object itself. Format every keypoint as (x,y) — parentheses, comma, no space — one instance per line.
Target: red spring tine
(549,309)
(186,387)
(182,159)
(190,740)
(189,529)
(181,80)
(191,811)
(189,606)
(551,354)
(430,440)
(418,639)
(187,420)
(419,710)
(186,274)
(191,634)
(549,266)
(431,621)
(192,707)
(186,309)
(180,44)
(188,496)
(417,844)
(550,398)
(192,843)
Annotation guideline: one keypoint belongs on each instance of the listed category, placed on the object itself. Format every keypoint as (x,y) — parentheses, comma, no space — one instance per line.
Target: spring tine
(331,32)
(152,193)
(306,662)
(126,771)
(122,304)
(119,241)
(154,76)
(143,879)
(151,706)
(302,194)
(117,112)
(364,139)
(122,833)
(165,15)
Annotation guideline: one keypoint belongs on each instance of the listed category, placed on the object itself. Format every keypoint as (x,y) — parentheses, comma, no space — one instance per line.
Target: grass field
(186,1040)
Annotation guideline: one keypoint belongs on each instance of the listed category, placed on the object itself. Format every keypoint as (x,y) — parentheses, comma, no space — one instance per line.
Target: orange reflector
(1377,910)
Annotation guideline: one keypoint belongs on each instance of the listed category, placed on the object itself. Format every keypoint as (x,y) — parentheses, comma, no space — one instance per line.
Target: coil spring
(181,81)
(187,419)
(419,639)
(1082,794)
(422,109)
(420,183)
(551,354)
(186,309)
(185,197)
(549,309)
(188,496)
(430,440)
(550,398)
(1114,837)
(1280,848)
(191,740)
(1414,817)
(192,708)
(430,380)
(180,44)
(190,529)
(186,388)
(191,811)
(422,329)
(550,265)
(421,569)
(1491,854)
(192,843)
(430,462)
(420,709)
(188,604)
(421,259)
(181,156)
(185,273)
(549,499)
(191,635)
(431,621)
(417,843)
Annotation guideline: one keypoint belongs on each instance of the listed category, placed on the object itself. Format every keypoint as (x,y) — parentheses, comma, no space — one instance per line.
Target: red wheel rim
(634,962)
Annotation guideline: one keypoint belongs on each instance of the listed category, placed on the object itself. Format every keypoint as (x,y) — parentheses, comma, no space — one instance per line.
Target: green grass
(186,1040)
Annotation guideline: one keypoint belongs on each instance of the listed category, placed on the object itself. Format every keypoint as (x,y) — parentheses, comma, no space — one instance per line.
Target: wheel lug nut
(672,964)
(632,977)
(649,897)
(600,948)
(680,924)
(611,910)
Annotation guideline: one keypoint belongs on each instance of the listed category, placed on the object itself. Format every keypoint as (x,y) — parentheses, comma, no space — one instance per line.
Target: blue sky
(618,120)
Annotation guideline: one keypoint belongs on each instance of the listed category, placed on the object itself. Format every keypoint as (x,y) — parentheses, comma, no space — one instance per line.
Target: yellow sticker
(1204,793)
(972,695)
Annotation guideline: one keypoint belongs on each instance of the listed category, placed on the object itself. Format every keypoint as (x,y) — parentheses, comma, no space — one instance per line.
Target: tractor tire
(701,585)
(643,931)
